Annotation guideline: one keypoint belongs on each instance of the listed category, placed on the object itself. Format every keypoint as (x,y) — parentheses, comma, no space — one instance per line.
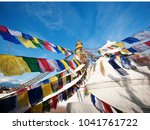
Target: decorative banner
(139,42)
(51,103)
(102,106)
(26,98)
(16,65)
(31,42)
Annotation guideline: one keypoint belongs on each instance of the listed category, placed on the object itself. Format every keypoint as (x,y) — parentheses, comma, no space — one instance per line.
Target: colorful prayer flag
(131,40)
(47,89)
(35,95)
(23,99)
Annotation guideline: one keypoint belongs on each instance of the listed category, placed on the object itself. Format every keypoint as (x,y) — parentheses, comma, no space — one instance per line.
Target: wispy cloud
(45,13)
(112,23)
(8,79)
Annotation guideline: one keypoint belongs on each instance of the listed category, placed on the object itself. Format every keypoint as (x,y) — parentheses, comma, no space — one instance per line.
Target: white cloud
(9,79)
(47,13)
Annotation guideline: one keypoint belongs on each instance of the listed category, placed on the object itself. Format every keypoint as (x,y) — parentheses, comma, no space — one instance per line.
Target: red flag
(107,107)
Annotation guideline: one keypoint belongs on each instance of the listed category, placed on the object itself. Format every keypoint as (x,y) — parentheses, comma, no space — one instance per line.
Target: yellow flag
(26,43)
(125,51)
(64,80)
(102,68)
(36,40)
(11,65)
(64,63)
(47,89)
(78,63)
(61,49)
(118,58)
(54,79)
(119,44)
(23,99)
(37,108)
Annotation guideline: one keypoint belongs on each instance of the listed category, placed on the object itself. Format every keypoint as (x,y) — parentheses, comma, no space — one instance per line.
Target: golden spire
(79,44)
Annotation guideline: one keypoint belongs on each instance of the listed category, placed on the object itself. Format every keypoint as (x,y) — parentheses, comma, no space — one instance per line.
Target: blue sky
(64,23)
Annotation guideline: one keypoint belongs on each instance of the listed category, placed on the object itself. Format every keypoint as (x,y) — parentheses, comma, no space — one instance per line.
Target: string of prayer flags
(27,98)
(22,65)
(29,41)
(32,97)
(102,106)
(139,41)
(52,103)
(53,83)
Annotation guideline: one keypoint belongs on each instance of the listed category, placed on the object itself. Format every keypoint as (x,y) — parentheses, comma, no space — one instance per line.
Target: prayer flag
(37,108)
(35,95)
(26,42)
(11,65)
(64,63)
(27,36)
(118,68)
(23,99)
(44,65)
(147,43)
(54,83)
(125,62)
(46,106)
(131,49)
(131,40)
(7,104)
(7,36)
(102,68)
(107,107)
(47,89)
(33,64)
(15,33)
(60,64)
